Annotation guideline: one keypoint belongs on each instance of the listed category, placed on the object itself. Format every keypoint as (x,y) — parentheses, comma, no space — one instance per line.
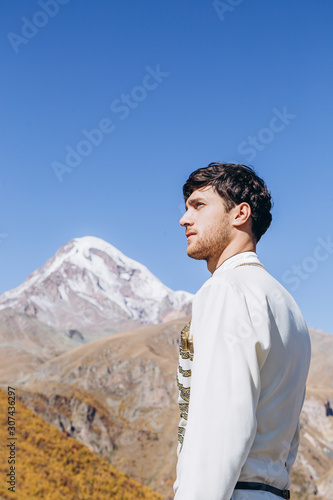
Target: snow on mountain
(89,282)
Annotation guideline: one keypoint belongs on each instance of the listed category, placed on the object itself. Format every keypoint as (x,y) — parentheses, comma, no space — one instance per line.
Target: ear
(242,214)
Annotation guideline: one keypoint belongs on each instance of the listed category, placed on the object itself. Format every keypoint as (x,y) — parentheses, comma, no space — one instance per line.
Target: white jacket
(246,383)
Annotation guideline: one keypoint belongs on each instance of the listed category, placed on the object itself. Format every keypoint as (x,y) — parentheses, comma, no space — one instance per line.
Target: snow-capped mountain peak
(89,282)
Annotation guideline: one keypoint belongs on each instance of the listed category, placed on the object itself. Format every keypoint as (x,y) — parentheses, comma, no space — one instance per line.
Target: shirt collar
(235,260)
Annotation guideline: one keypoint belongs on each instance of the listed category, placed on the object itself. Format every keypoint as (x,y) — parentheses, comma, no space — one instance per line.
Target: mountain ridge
(89,283)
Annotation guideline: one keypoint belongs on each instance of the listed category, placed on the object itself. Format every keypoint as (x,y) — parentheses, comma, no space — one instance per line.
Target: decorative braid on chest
(186,344)
(186,352)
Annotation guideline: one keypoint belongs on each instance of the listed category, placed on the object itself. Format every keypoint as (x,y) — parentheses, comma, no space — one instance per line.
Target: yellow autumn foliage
(52,466)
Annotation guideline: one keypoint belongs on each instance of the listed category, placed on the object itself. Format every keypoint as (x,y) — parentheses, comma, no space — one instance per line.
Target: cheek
(206,221)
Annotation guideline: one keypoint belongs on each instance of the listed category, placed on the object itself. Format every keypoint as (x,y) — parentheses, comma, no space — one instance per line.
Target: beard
(210,243)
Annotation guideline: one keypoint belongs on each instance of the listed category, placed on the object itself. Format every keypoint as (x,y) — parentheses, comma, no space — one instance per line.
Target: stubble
(211,243)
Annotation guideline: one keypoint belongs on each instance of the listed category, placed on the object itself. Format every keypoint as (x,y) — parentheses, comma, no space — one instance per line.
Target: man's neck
(231,250)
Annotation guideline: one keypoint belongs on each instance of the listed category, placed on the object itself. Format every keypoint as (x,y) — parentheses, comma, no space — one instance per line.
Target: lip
(189,234)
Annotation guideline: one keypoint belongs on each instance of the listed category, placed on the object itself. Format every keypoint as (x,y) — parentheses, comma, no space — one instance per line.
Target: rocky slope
(26,343)
(91,285)
(118,395)
(313,470)
(51,465)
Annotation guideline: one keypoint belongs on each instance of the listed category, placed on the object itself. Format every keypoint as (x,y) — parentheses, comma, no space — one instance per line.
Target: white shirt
(247,384)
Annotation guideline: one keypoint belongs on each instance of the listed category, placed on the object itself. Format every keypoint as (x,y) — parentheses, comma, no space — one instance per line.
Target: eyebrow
(193,201)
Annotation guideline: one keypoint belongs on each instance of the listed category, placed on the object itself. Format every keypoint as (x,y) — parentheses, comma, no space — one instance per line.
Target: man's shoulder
(246,281)
(218,286)
(239,276)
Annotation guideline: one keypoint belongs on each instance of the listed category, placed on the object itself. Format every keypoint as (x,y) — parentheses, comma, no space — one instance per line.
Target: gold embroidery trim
(186,351)
(186,355)
(186,344)
(185,373)
(181,432)
(184,391)
(183,410)
(251,264)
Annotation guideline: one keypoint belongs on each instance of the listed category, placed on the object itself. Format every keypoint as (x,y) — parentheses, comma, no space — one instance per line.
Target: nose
(186,220)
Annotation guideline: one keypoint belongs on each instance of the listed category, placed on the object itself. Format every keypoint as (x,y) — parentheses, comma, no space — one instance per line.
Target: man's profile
(245,355)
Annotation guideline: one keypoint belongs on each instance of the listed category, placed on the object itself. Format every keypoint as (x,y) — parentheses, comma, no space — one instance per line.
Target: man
(244,358)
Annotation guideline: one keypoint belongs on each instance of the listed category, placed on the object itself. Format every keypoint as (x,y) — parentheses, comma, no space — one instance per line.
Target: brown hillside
(127,384)
(50,465)
(26,344)
(118,395)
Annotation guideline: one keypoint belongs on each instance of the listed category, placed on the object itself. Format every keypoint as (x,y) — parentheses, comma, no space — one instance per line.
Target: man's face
(208,225)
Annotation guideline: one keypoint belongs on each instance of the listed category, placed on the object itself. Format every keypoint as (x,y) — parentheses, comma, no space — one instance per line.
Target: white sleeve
(293,449)
(225,388)
(294,445)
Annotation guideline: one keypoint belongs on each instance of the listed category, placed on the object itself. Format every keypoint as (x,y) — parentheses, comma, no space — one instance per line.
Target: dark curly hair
(235,184)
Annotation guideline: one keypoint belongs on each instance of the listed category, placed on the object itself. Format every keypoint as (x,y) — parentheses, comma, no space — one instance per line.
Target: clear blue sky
(173,86)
